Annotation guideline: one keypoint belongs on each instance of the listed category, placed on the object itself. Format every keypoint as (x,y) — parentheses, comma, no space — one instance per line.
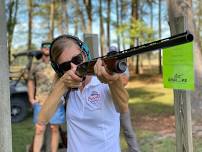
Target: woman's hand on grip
(70,79)
(102,74)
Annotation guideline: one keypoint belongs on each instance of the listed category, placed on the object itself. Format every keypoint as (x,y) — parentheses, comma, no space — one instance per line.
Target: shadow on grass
(148,105)
(151,109)
(147,78)
(143,94)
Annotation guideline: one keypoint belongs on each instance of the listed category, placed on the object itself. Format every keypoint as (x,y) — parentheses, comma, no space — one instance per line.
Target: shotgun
(116,61)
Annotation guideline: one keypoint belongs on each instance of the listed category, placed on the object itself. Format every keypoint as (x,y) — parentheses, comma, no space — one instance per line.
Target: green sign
(178,68)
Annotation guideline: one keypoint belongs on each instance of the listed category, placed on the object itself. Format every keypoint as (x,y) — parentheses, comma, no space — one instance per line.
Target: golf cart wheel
(19,109)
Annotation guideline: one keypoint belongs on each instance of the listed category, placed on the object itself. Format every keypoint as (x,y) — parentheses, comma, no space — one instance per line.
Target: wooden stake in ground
(5,114)
(178,18)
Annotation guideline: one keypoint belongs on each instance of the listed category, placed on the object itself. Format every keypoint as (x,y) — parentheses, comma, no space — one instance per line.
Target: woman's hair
(59,46)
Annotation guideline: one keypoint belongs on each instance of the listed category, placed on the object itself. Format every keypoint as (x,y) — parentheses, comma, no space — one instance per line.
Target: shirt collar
(93,82)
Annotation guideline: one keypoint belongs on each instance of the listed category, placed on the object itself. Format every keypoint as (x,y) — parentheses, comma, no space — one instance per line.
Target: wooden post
(5,114)
(92,41)
(182,103)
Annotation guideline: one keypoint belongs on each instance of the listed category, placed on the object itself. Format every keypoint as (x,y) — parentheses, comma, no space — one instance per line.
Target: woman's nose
(73,66)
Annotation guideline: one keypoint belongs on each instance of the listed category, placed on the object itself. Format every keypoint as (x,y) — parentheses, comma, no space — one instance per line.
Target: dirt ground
(161,124)
(165,124)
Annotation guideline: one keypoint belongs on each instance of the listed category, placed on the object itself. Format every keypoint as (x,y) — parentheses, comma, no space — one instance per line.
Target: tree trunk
(88,6)
(81,15)
(29,43)
(60,18)
(134,16)
(151,14)
(121,21)
(150,35)
(159,14)
(137,70)
(108,22)
(117,23)
(65,16)
(52,14)
(12,20)
(5,114)
(101,29)
(76,26)
(198,20)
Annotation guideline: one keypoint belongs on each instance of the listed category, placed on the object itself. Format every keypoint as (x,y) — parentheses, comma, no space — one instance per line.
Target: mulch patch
(160,124)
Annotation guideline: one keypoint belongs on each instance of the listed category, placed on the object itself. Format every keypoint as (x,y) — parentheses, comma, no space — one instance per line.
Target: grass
(22,134)
(148,98)
(151,142)
(197,144)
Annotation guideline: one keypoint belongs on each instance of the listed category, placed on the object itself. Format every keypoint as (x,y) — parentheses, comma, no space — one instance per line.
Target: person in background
(40,81)
(125,118)
(93,123)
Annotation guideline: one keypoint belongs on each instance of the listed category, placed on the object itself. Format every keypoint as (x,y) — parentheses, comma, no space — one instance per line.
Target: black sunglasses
(65,66)
(45,45)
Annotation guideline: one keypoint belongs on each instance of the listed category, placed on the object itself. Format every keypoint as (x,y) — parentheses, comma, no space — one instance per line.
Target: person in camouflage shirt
(43,76)
(40,81)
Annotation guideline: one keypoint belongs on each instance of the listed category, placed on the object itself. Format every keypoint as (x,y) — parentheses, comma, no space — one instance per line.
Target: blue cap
(113,48)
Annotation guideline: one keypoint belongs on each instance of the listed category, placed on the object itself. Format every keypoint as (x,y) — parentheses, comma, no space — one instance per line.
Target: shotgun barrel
(117,63)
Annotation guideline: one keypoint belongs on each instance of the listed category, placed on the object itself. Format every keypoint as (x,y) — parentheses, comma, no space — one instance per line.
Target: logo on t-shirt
(94,98)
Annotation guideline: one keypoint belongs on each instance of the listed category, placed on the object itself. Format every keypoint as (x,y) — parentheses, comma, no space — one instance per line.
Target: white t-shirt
(92,121)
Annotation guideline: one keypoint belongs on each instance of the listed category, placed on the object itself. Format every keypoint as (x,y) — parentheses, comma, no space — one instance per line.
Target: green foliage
(136,29)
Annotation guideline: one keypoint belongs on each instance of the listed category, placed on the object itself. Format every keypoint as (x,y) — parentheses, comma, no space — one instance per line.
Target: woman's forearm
(119,95)
(50,105)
